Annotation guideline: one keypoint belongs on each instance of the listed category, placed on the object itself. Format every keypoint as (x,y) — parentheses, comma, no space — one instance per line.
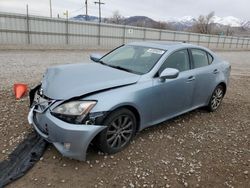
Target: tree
(117,18)
(229,31)
(209,18)
(204,24)
(161,25)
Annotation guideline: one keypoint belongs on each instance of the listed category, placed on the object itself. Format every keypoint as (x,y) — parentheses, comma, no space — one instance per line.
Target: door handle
(191,78)
(215,71)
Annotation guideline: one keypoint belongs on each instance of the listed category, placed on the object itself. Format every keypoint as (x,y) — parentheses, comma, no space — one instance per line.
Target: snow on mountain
(186,19)
(182,19)
(181,23)
(228,21)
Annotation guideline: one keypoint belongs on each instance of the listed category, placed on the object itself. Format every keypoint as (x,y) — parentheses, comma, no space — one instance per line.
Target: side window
(200,58)
(210,58)
(178,60)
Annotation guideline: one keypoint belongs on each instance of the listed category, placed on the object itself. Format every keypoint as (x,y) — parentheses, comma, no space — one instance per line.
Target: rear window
(200,58)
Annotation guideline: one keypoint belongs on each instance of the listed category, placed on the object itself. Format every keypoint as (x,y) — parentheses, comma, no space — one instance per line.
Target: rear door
(205,73)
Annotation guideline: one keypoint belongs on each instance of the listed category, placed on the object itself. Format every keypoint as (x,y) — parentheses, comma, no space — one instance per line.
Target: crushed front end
(71,135)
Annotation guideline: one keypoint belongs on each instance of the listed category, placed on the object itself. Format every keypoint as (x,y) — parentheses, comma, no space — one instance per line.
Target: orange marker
(20,90)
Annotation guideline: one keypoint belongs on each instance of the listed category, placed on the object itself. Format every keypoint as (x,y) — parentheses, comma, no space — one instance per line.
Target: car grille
(41,103)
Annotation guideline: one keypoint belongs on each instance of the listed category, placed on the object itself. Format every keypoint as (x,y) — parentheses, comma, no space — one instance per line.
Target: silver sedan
(125,91)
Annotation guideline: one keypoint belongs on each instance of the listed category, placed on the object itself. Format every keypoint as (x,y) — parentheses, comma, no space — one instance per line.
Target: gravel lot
(198,149)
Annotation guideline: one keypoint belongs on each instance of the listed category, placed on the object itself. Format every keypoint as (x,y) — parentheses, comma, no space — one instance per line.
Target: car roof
(164,45)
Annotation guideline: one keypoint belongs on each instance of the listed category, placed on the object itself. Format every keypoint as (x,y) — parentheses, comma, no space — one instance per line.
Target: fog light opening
(66,146)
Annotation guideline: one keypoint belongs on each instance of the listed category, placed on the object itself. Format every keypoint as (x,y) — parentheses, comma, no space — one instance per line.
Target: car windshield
(135,59)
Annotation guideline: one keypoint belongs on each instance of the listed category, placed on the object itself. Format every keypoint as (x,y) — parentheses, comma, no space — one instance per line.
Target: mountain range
(178,23)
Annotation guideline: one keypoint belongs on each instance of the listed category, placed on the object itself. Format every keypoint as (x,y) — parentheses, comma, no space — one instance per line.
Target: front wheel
(216,98)
(121,126)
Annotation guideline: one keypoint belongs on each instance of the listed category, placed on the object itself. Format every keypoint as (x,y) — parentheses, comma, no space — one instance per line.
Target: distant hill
(141,21)
(82,17)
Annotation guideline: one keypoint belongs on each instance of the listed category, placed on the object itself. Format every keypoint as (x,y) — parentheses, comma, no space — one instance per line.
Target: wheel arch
(134,110)
(223,84)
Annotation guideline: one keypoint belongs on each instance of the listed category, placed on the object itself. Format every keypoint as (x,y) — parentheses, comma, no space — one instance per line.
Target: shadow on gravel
(22,159)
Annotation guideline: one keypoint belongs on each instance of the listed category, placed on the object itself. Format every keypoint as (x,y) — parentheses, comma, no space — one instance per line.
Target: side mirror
(169,73)
(95,57)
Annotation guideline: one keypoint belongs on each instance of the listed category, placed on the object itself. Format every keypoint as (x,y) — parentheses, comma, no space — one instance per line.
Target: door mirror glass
(169,73)
(95,57)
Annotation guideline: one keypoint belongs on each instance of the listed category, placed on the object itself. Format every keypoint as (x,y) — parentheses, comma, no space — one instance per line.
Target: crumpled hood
(73,80)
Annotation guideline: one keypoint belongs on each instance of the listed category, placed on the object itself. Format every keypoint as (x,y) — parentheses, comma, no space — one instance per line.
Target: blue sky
(157,9)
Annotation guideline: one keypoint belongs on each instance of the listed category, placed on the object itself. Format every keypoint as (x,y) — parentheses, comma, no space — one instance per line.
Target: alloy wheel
(120,131)
(217,98)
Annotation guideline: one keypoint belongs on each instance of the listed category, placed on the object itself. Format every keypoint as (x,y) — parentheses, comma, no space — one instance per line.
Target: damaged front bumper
(71,140)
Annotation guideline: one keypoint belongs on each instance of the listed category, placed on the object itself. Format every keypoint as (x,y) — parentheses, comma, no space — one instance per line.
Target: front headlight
(74,108)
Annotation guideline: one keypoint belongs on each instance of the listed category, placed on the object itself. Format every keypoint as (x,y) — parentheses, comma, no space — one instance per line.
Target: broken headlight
(73,111)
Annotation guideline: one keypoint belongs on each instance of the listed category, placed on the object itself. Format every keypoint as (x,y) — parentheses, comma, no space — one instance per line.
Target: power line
(76,10)
(99,3)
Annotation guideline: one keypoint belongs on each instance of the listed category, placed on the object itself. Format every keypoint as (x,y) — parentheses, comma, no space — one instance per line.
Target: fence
(17,29)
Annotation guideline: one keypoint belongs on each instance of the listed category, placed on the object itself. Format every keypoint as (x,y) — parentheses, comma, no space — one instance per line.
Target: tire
(121,127)
(216,98)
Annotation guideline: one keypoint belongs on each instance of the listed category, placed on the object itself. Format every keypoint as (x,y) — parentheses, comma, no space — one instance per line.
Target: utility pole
(28,24)
(86,14)
(100,15)
(50,8)
(67,26)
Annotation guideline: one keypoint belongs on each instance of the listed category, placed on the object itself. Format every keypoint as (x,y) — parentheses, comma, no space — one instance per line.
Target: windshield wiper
(101,62)
(121,68)
(118,67)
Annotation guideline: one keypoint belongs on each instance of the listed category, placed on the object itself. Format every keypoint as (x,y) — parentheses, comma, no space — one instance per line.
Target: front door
(173,96)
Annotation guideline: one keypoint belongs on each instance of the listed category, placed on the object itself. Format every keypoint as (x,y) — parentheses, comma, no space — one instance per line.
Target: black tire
(216,98)
(121,127)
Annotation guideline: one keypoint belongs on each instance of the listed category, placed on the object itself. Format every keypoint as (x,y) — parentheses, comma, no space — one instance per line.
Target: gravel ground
(198,149)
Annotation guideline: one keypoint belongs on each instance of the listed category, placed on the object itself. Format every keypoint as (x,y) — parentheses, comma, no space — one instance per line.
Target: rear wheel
(121,126)
(216,98)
